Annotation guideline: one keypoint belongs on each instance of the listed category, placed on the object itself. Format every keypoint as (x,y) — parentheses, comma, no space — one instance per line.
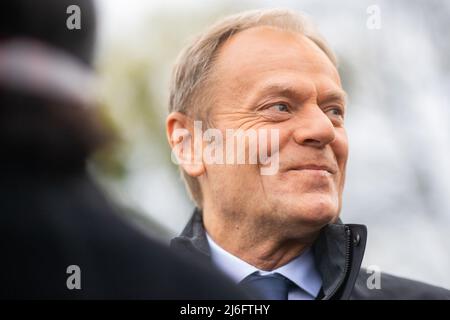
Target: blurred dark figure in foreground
(60,236)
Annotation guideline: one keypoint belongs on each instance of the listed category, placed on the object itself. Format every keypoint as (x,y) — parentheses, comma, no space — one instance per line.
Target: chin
(315,210)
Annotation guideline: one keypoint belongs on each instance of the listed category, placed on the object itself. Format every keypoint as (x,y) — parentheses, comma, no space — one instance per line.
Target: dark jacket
(49,221)
(338,252)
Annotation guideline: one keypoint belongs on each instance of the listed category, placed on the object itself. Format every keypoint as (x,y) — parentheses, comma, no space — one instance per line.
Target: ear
(186,146)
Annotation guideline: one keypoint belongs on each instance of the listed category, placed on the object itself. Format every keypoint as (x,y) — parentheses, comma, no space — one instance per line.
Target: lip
(329,169)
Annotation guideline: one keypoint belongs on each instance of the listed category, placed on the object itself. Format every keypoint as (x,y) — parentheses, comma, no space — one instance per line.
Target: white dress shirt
(301,271)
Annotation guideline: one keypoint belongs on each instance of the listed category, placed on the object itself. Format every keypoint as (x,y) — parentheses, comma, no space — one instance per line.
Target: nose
(314,128)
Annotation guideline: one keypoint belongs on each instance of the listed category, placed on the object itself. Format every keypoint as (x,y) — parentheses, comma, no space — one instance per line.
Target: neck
(265,245)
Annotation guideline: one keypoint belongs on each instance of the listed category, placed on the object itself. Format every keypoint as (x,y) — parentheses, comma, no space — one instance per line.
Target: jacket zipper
(347,261)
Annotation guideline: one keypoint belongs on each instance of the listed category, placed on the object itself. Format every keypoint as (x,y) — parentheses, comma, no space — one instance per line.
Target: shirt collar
(301,270)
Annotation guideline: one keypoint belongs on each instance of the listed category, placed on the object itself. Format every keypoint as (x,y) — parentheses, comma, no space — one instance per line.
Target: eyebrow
(285,90)
(293,93)
(333,95)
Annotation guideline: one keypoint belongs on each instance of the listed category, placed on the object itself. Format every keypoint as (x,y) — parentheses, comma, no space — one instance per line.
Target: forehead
(265,54)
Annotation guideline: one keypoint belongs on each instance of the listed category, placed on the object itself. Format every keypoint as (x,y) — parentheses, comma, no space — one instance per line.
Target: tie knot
(269,287)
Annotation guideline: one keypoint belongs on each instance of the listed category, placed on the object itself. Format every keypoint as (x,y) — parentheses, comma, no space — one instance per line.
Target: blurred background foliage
(398,81)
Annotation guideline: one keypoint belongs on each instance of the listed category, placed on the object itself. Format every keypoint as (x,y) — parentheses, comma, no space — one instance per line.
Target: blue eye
(280,107)
(336,112)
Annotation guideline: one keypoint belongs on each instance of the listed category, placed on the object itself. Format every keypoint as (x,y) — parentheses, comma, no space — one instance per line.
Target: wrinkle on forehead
(260,53)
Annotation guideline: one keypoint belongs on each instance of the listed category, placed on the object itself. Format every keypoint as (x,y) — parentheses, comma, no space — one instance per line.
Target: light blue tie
(269,287)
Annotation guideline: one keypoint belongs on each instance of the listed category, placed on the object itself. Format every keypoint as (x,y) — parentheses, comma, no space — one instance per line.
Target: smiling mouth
(314,167)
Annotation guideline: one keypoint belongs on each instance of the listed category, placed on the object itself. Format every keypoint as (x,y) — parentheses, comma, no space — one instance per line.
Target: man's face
(266,78)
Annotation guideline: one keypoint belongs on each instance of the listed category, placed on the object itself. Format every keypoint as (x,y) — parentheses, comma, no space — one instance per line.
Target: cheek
(235,186)
(340,149)
(277,136)
(232,178)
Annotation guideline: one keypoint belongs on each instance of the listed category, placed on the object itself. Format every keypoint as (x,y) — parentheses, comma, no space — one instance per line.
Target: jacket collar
(338,252)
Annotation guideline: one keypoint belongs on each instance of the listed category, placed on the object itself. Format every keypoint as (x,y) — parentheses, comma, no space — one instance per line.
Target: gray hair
(193,67)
